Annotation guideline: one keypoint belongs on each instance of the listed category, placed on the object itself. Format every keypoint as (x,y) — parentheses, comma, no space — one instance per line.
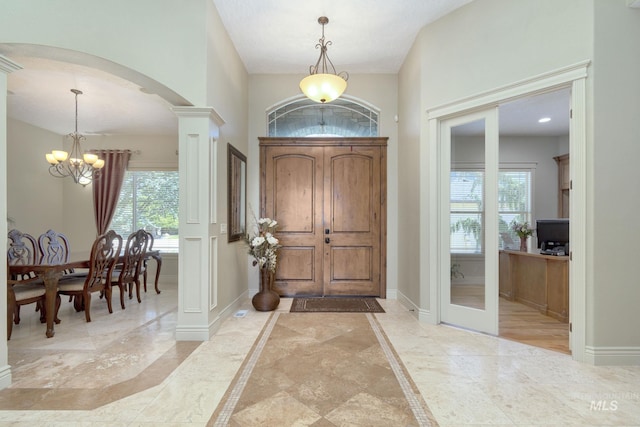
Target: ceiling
(271,36)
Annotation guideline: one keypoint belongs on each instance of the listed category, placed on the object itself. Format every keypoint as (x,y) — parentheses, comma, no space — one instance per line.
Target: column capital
(199,112)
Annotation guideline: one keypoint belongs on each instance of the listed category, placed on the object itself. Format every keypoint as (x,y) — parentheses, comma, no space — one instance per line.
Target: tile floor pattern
(465,378)
(322,369)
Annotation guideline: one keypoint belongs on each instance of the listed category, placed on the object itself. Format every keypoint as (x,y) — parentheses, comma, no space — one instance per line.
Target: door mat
(336,305)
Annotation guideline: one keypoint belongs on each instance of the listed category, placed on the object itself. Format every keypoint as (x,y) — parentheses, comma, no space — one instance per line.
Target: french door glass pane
(466,218)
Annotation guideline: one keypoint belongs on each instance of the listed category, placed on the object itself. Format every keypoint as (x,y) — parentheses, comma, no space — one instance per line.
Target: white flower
(263,246)
(257,241)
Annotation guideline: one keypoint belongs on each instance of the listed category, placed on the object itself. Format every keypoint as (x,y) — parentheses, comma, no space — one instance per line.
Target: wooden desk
(538,281)
(50,275)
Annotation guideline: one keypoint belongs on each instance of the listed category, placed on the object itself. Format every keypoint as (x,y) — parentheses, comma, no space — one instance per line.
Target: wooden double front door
(329,198)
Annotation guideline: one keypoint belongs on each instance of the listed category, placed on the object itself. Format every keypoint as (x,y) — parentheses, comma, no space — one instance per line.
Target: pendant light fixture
(81,167)
(323,84)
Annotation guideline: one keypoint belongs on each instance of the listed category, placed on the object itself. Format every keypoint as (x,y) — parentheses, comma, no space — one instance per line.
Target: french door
(469,221)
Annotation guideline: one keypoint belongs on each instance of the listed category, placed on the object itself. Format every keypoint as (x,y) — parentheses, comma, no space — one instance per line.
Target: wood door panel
(353,185)
(351,263)
(296,263)
(294,193)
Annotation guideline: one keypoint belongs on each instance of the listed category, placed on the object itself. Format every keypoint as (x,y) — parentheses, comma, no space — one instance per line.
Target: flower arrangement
(522,229)
(263,246)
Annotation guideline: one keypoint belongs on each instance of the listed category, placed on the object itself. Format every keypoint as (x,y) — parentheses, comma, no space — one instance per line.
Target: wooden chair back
(54,247)
(133,255)
(22,250)
(104,254)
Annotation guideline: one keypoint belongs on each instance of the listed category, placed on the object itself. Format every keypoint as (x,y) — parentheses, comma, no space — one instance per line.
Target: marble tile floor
(126,369)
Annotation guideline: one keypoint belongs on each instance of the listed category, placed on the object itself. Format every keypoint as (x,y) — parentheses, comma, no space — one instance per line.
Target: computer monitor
(552,233)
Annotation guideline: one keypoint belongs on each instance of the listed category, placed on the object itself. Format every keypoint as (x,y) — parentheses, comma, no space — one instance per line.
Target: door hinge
(570,256)
(570,184)
(570,327)
(571,113)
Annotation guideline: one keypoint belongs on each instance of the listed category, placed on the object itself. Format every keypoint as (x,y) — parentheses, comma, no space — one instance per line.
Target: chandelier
(81,167)
(323,84)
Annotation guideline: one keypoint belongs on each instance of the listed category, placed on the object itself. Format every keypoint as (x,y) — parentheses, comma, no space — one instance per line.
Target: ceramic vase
(266,299)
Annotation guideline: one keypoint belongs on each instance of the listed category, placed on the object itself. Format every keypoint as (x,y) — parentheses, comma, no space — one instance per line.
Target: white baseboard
(228,311)
(421,314)
(5,377)
(612,356)
(203,333)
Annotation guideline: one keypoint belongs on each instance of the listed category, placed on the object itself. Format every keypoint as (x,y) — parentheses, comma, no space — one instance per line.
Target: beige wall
(411,110)
(34,197)
(378,90)
(166,43)
(227,93)
(613,293)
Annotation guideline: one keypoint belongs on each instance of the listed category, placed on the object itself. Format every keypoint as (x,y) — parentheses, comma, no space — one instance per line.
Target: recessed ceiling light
(544,120)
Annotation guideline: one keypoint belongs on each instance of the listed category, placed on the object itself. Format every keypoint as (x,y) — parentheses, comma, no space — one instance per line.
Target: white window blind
(149,200)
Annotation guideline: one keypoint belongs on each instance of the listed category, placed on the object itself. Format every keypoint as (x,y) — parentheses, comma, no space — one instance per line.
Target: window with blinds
(467,209)
(149,200)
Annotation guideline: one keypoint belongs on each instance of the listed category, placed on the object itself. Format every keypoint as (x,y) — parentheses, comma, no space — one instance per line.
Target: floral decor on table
(523,231)
(263,246)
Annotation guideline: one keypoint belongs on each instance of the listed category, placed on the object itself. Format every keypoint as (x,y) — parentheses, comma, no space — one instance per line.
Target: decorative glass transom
(342,117)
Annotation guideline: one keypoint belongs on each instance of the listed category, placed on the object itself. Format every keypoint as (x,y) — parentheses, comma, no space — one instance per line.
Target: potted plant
(263,246)
(523,231)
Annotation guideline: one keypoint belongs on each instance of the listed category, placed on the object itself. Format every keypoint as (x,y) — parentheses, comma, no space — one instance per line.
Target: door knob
(327,240)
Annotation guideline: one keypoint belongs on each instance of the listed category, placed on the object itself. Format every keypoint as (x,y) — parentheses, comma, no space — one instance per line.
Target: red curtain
(107,185)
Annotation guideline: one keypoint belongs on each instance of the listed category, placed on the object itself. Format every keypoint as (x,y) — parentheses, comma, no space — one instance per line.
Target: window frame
(527,167)
(172,249)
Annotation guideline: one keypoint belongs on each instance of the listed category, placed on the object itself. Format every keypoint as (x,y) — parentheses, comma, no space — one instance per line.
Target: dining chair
(104,255)
(127,271)
(25,288)
(145,260)
(54,249)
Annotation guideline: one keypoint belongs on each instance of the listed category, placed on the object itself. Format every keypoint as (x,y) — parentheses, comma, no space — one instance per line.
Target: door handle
(327,231)
(327,240)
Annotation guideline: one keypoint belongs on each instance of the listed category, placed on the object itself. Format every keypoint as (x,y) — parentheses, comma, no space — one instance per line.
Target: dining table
(52,273)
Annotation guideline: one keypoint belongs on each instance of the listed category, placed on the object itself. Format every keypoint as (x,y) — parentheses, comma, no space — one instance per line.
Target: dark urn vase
(523,244)
(266,299)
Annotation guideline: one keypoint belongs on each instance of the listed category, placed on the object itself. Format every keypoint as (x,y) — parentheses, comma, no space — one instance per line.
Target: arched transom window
(303,118)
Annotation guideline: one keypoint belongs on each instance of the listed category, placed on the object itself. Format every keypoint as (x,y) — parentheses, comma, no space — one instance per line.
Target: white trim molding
(612,356)
(417,312)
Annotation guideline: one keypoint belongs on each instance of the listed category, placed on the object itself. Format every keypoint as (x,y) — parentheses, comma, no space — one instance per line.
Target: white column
(6,66)
(197,135)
